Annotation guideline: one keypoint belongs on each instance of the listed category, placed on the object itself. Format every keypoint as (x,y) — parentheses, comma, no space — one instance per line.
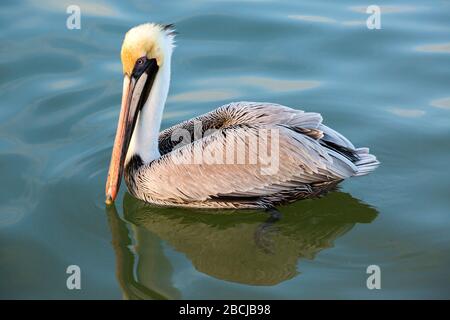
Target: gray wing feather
(302,161)
(244,112)
(304,158)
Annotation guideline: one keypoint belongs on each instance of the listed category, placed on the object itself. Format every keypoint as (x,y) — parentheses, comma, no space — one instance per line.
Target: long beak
(131,96)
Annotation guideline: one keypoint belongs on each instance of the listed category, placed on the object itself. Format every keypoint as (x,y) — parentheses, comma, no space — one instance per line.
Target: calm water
(388,89)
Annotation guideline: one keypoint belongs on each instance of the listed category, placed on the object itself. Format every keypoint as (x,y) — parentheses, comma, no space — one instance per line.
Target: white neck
(144,141)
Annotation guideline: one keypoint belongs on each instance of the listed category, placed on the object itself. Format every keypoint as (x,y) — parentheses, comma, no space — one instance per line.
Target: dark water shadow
(222,244)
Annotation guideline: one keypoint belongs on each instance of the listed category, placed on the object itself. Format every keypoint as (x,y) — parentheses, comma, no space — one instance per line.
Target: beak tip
(109,201)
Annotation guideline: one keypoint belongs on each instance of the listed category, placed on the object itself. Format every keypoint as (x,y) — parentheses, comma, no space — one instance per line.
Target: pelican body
(311,158)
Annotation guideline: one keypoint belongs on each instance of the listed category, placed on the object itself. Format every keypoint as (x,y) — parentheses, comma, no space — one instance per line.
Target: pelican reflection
(223,245)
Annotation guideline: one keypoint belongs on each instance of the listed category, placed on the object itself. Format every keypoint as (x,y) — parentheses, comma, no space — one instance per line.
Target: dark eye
(139,66)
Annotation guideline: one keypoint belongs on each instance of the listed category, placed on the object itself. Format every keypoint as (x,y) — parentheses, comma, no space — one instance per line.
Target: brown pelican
(159,168)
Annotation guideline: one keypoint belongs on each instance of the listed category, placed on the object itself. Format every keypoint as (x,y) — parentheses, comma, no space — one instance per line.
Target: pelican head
(145,50)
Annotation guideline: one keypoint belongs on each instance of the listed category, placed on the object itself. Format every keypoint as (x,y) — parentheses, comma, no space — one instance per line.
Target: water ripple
(443,103)
(434,48)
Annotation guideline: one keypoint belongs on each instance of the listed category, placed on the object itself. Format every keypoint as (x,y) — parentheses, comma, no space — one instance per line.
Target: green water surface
(388,89)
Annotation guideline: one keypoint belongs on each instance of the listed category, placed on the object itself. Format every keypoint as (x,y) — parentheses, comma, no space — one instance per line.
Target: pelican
(311,158)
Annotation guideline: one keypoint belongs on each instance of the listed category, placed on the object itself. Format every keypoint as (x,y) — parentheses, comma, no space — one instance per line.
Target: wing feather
(301,162)
(310,154)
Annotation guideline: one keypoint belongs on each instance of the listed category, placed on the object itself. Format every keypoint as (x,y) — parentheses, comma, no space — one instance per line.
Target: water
(388,89)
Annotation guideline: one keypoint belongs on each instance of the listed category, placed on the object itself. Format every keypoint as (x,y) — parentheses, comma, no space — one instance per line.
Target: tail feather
(366,162)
